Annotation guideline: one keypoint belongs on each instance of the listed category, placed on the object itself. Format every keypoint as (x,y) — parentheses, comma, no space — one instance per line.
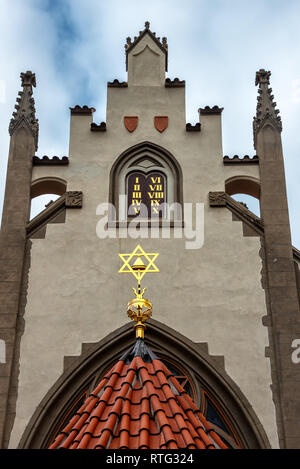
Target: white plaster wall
(212,294)
(146,63)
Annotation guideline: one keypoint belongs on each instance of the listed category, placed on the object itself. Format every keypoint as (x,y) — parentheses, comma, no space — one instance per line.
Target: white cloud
(28,38)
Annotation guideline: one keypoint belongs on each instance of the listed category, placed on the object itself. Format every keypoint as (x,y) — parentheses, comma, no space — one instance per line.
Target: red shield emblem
(161,123)
(131,123)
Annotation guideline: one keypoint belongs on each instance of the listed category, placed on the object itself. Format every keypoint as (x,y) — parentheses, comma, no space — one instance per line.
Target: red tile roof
(138,405)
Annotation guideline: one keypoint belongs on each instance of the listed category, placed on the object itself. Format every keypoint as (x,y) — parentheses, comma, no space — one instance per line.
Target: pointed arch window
(208,406)
(146,182)
(218,420)
(149,184)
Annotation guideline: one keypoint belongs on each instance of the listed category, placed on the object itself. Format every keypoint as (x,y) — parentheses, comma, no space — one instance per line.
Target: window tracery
(146,183)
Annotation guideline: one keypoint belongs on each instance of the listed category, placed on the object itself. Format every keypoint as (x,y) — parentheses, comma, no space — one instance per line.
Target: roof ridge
(139,349)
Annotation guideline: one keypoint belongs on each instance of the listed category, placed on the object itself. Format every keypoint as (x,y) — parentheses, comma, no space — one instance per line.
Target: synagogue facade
(226,299)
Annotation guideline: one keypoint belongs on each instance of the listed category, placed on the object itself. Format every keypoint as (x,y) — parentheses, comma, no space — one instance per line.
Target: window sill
(147,223)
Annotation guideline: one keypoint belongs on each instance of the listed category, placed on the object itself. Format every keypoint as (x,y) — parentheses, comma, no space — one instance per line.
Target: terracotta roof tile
(138,405)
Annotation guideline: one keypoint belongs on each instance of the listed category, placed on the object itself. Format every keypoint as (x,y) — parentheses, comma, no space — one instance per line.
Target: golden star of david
(138,253)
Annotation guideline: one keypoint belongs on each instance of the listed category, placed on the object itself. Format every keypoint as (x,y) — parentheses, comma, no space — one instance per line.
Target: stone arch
(48,185)
(155,153)
(243,185)
(97,358)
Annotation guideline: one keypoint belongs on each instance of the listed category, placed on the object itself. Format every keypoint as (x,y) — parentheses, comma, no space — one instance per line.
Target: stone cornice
(83,110)
(215,110)
(117,84)
(266,107)
(25,108)
(162,44)
(46,161)
(176,83)
(98,127)
(193,128)
(240,160)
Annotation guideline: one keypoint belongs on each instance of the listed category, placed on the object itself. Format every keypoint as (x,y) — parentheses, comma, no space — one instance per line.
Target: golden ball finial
(139,310)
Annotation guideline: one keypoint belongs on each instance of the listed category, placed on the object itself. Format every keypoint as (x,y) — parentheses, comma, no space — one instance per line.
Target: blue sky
(75,47)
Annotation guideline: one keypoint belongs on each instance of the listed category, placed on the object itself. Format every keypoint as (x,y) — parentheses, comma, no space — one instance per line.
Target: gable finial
(25,108)
(266,106)
(162,43)
(28,79)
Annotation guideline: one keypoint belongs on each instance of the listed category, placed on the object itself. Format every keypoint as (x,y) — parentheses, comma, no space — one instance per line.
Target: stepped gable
(138,405)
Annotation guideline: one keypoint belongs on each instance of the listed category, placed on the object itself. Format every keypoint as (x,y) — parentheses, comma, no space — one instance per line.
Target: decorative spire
(162,43)
(25,110)
(265,104)
(139,309)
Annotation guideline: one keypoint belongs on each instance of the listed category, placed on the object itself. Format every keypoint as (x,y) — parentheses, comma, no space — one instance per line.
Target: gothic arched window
(207,405)
(146,182)
(212,390)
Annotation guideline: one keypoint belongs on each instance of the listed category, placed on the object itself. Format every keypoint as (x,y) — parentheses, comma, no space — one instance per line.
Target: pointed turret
(161,43)
(266,107)
(14,247)
(279,271)
(25,109)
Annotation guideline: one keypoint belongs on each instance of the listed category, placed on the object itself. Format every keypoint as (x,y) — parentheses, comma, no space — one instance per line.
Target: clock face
(147,190)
